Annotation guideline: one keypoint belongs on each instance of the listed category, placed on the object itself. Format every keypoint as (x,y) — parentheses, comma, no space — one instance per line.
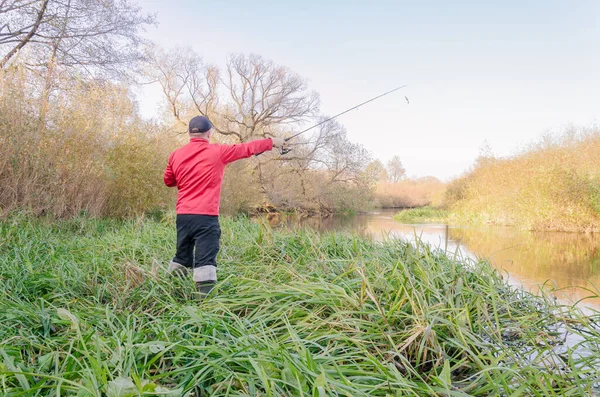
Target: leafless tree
(255,97)
(93,36)
(345,160)
(330,152)
(309,153)
(85,38)
(27,19)
(395,169)
(188,84)
(263,97)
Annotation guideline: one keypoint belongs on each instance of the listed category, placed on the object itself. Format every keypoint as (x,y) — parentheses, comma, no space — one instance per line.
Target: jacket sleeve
(169,176)
(231,153)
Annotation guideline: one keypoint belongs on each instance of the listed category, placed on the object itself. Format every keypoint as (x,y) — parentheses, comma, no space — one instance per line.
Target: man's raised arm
(231,153)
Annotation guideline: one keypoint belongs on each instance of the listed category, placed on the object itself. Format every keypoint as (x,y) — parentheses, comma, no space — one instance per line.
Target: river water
(566,263)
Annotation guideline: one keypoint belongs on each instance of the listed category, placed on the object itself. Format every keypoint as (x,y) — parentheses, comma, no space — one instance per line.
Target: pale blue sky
(502,71)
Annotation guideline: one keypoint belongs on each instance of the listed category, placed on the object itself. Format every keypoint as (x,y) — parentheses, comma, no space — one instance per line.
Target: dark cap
(199,124)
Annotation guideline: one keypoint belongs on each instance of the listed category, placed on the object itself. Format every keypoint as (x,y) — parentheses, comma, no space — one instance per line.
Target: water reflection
(566,261)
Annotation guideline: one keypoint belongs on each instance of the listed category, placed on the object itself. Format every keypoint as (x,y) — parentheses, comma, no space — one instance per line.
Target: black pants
(198,244)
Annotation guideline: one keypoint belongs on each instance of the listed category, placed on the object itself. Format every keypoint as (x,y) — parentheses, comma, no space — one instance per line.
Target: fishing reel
(285,149)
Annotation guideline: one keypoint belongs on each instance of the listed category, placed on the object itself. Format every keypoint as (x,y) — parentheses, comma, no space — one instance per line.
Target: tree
(345,161)
(188,84)
(395,169)
(332,169)
(254,98)
(376,171)
(85,39)
(92,36)
(263,96)
(19,23)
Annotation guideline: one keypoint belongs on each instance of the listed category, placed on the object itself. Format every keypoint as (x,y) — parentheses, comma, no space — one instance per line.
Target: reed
(552,185)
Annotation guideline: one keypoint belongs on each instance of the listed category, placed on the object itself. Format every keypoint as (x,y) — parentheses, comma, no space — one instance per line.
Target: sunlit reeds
(553,185)
(409,193)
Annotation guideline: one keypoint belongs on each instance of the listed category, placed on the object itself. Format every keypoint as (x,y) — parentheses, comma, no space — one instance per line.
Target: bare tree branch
(96,37)
(28,37)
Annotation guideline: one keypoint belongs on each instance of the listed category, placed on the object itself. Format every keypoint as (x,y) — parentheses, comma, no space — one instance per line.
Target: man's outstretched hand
(282,145)
(278,142)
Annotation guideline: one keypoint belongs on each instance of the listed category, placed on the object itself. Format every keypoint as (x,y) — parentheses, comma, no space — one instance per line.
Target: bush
(91,152)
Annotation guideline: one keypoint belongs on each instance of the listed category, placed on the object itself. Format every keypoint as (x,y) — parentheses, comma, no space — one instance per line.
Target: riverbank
(87,308)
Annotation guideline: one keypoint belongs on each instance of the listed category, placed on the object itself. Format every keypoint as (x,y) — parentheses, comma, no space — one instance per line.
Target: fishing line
(344,112)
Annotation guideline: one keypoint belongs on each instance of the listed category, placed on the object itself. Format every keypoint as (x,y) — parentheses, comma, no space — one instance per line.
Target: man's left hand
(278,142)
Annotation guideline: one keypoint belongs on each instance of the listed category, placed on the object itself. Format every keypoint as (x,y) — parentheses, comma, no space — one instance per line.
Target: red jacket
(197,170)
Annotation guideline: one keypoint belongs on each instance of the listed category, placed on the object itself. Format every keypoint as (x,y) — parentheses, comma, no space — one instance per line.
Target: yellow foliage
(555,185)
(410,193)
(91,152)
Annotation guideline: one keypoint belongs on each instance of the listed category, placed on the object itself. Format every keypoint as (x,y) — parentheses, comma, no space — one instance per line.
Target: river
(566,263)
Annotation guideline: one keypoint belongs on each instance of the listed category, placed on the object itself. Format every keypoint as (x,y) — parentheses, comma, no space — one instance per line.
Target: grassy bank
(422,215)
(86,310)
(553,185)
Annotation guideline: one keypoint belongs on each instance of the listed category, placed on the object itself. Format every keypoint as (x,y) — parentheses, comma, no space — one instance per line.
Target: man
(197,170)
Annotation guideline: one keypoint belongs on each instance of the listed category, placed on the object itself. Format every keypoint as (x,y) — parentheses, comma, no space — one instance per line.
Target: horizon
(475,74)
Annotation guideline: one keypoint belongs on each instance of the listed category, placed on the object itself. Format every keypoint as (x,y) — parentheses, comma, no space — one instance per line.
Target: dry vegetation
(410,193)
(554,185)
(91,153)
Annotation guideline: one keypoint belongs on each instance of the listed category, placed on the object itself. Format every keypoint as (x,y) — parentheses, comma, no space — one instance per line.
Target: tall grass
(553,185)
(86,309)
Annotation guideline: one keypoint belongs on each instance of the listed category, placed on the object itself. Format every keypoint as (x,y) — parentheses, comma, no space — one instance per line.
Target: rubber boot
(178,270)
(204,288)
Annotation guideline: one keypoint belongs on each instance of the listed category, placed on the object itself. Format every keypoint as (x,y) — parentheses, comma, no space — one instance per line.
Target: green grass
(87,310)
(422,215)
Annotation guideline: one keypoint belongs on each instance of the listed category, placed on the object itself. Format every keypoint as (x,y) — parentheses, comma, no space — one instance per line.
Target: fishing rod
(287,150)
